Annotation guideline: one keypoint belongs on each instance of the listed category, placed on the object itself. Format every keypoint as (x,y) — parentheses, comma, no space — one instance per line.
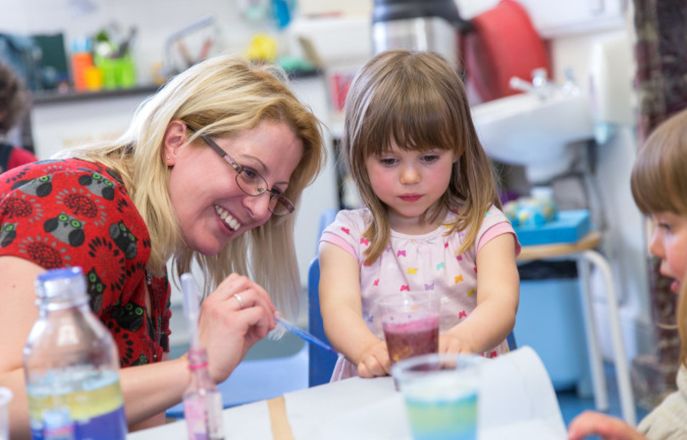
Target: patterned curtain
(661,52)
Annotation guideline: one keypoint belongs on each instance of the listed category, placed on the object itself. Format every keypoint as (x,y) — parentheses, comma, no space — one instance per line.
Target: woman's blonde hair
(417,101)
(659,184)
(218,97)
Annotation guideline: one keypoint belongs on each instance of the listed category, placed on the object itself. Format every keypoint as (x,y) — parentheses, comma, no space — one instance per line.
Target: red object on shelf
(504,44)
(81,61)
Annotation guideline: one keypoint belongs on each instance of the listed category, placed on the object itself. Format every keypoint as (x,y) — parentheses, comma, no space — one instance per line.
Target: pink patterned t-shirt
(416,262)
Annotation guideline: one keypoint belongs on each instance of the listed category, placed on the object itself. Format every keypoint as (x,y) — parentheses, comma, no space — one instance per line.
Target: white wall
(625,243)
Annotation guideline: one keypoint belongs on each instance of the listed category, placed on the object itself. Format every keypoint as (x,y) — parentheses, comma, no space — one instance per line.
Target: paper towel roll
(611,69)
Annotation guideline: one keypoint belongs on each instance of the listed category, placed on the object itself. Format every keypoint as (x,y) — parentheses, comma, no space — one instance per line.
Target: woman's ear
(175,138)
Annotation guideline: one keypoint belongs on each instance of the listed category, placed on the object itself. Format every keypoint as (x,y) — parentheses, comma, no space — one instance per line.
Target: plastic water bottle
(71,365)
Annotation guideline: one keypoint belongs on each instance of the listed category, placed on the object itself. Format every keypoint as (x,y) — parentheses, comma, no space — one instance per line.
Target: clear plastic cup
(441,393)
(5,397)
(411,324)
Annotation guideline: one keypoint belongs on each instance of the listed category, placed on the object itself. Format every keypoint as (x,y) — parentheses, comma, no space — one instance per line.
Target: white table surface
(516,396)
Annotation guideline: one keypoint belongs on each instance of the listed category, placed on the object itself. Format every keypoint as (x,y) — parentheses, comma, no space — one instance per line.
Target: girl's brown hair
(659,184)
(417,101)
(659,180)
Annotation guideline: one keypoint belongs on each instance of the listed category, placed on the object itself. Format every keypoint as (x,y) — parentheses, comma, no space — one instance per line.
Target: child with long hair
(659,187)
(432,218)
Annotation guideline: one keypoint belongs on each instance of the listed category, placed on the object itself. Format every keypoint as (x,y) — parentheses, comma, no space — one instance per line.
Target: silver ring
(239,299)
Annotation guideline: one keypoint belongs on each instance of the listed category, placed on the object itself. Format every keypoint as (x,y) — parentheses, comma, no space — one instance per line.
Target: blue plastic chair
(512,344)
(320,362)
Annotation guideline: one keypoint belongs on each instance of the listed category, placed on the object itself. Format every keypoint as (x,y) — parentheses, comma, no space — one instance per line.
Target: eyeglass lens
(254,184)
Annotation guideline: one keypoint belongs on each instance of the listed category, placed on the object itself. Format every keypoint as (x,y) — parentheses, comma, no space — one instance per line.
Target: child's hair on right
(681,320)
(13,98)
(659,174)
(417,101)
(659,184)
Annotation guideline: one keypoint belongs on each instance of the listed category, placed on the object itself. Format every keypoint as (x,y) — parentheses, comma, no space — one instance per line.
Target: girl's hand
(609,428)
(374,361)
(451,342)
(232,319)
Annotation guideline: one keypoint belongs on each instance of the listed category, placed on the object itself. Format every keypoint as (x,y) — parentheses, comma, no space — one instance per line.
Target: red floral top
(78,213)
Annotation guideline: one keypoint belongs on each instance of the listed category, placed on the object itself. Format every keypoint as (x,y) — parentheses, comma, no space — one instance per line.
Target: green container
(118,73)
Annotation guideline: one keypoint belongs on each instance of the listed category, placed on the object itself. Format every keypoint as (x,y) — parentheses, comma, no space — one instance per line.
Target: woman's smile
(228,219)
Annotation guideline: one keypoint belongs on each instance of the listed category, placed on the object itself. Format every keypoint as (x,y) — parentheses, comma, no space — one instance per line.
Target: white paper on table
(516,393)
(250,421)
(381,420)
(516,400)
(345,409)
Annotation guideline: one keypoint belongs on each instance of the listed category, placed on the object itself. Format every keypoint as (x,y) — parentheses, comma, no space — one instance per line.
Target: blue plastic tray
(569,227)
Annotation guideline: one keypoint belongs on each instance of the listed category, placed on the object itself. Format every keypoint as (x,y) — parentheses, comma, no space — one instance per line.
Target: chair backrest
(320,362)
(512,344)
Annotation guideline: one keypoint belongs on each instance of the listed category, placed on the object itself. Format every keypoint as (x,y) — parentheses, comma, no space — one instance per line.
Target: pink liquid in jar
(411,338)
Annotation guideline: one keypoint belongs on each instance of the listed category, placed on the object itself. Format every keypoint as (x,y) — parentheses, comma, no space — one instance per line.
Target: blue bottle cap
(61,284)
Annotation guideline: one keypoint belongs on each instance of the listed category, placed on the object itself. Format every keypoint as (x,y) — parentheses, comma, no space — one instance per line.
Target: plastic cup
(5,397)
(440,393)
(411,324)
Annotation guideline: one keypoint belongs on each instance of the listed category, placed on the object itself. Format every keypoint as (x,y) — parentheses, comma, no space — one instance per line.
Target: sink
(534,131)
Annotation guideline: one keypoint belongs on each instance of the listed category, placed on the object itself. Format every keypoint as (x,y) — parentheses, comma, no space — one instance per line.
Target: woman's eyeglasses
(251,182)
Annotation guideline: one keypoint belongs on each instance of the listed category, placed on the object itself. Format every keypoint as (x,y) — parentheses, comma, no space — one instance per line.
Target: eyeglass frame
(240,169)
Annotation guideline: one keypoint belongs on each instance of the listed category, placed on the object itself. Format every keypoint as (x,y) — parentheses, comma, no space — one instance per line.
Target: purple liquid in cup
(411,338)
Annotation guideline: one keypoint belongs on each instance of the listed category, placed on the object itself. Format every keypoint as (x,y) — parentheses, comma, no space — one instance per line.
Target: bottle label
(61,411)
(110,426)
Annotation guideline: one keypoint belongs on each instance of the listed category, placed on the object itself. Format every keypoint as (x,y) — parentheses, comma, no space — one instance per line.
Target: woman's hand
(233,318)
(605,426)
(374,360)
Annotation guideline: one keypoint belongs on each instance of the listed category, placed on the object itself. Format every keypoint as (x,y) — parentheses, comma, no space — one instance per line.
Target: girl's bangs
(415,124)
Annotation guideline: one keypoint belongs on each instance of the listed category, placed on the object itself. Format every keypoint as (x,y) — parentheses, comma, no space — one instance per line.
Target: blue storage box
(569,227)
(550,320)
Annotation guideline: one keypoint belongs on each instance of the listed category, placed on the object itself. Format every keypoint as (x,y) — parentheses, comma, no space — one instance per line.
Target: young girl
(659,187)
(432,219)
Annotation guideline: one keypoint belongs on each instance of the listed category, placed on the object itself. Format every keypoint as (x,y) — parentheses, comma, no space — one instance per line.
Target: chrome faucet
(542,87)
(539,86)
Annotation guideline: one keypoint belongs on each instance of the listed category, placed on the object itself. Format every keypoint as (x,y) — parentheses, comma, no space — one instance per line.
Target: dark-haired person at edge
(13,106)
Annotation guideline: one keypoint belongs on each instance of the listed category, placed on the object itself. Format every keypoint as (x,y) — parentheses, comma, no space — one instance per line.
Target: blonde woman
(209,170)
(431,219)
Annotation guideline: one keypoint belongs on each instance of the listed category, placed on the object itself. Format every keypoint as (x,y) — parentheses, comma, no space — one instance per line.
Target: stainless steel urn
(424,25)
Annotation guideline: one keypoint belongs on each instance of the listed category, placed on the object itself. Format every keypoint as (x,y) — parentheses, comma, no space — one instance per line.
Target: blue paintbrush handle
(307,337)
